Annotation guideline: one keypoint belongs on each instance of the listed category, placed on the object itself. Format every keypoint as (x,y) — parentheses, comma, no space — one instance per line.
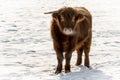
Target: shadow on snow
(85,74)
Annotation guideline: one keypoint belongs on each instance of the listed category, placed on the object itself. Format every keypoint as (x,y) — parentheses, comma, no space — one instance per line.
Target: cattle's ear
(55,15)
(80,17)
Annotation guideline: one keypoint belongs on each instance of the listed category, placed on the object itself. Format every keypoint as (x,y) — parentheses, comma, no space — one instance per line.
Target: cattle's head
(67,18)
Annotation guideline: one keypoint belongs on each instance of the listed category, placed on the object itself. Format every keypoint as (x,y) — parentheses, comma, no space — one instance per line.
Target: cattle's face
(67,19)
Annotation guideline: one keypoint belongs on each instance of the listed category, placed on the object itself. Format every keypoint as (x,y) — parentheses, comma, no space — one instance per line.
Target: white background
(26,51)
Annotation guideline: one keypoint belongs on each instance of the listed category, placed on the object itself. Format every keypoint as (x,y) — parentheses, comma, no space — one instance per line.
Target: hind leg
(79,57)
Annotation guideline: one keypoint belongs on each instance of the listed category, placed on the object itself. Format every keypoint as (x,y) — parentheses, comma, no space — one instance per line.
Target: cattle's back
(82,10)
(85,12)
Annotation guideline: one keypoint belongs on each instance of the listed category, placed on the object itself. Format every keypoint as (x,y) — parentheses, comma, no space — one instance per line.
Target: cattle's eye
(62,18)
(73,19)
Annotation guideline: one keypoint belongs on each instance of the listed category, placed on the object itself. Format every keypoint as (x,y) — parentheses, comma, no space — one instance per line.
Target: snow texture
(26,51)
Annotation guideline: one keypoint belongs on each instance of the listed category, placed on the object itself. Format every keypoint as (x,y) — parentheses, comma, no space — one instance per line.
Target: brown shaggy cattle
(71,29)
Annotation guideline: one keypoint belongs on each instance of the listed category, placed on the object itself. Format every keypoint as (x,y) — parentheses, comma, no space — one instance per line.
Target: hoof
(87,66)
(57,72)
(67,71)
(67,68)
(77,64)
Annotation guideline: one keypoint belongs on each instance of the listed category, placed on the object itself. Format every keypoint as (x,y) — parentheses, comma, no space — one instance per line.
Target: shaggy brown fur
(79,21)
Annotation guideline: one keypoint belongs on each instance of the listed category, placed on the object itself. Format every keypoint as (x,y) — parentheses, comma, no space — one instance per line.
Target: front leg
(59,55)
(60,60)
(79,56)
(57,39)
(68,58)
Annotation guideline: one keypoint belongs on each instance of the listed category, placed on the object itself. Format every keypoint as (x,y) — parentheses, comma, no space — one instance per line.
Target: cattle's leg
(79,56)
(60,60)
(68,58)
(86,51)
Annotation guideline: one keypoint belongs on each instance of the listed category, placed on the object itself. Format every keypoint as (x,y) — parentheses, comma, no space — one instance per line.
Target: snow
(26,51)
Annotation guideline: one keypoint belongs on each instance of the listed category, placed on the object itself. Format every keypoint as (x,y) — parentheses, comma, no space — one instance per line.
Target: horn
(50,12)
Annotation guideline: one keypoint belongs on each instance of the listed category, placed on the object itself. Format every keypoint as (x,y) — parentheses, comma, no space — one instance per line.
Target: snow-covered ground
(26,51)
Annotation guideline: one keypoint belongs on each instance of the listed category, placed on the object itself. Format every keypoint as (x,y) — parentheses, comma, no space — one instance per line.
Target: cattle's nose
(68,31)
